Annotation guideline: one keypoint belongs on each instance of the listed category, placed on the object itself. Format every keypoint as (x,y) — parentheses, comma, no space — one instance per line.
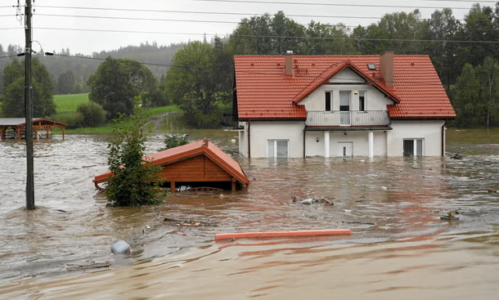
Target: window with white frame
(278,148)
(413,147)
(345,100)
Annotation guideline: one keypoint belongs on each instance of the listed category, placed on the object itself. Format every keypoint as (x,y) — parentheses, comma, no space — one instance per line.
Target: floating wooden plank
(224,236)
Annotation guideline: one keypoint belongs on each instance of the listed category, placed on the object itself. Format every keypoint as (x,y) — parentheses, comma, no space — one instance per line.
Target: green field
(69,103)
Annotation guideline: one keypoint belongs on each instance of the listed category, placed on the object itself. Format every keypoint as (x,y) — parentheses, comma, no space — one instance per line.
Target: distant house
(335,106)
(199,164)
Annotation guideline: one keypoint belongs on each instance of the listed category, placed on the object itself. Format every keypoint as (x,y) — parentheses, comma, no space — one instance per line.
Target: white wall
(429,131)
(347,76)
(359,139)
(275,130)
(375,100)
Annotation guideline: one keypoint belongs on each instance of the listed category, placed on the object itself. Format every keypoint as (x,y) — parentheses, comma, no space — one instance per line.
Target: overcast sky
(184,28)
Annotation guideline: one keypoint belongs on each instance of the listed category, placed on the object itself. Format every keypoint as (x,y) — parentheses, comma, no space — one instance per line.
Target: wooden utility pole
(30,178)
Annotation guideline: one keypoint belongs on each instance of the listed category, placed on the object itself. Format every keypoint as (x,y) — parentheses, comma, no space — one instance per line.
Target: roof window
(371,66)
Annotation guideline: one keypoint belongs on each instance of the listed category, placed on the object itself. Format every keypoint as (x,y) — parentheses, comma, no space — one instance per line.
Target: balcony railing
(348,118)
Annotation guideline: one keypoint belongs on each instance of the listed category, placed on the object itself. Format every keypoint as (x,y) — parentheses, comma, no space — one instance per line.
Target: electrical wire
(194,21)
(150,19)
(324,4)
(133,61)
(201,12)
(275,36)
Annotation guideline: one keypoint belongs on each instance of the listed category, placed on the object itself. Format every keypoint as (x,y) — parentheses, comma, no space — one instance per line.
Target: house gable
(197,168)
(347,76)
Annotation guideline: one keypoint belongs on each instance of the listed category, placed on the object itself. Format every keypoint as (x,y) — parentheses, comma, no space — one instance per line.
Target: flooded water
(399,247)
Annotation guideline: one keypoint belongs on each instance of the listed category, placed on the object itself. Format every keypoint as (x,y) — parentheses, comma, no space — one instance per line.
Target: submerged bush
(135,181)
(175,140)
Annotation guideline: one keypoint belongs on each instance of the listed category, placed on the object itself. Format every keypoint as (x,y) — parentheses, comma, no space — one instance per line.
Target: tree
(476,96)
(66,82)
(131,181)
(117,82)
(326,39)
(194,84)
(13,102)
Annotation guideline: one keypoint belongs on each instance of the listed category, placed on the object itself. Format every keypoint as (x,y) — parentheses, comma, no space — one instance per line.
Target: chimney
(386,67)
(289,63)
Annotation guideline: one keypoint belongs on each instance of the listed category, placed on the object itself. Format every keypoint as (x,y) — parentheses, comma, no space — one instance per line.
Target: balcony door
(345,108)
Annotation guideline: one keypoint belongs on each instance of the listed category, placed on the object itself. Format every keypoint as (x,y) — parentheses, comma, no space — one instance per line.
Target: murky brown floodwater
(399,248)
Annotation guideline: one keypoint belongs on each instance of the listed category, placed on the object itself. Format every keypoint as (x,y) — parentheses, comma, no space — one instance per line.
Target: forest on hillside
(464,53)
(70,71)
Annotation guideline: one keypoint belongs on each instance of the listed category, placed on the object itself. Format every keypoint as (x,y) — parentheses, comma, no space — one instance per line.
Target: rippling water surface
(399,249)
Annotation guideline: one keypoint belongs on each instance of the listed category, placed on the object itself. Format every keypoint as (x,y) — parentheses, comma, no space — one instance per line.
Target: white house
(330,106)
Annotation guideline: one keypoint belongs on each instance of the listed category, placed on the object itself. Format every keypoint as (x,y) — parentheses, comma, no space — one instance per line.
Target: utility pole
(30,177)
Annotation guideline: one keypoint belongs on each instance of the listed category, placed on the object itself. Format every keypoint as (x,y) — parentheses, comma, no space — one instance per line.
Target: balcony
(348,118)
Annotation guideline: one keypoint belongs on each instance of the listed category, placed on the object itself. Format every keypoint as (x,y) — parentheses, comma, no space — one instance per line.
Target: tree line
(69,72)
(200,79)
(464,53)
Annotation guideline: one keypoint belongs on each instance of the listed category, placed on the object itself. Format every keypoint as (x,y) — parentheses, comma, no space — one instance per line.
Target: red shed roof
(264,92)
(193,149)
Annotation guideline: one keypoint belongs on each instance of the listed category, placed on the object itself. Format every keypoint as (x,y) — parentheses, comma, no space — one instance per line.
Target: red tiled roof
(193,149)
(264,92)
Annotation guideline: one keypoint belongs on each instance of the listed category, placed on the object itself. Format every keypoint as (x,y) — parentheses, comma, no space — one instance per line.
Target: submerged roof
(22,121)
(201,147)
(264,92)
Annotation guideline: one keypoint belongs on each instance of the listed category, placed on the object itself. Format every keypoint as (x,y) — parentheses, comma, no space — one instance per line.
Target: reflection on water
(399,248)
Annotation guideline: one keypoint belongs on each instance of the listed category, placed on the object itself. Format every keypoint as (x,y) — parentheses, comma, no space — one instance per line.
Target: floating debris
(121,247)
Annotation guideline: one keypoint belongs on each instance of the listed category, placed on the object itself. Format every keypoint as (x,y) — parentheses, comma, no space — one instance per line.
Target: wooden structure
(18,124)
(198,164)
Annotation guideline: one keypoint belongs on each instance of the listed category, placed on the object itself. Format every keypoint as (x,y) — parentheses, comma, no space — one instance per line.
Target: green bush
(93,114)
(132,181)
(73,119)
(175,140)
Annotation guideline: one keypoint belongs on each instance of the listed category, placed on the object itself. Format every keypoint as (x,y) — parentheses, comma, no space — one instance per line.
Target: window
(362,100)
(328,102)
(413,147)
(278,148)
(345,100)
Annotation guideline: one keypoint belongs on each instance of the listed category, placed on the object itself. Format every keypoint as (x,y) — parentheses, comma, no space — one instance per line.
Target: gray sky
(181,31)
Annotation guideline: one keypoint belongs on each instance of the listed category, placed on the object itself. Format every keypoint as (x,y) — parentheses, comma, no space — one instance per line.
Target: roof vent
(371,66)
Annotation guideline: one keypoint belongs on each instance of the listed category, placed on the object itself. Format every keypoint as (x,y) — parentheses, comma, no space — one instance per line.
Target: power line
(200,12)
(325,4)
(231,13)
(150,19)
(191,21)
(132,61)
(273,36)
